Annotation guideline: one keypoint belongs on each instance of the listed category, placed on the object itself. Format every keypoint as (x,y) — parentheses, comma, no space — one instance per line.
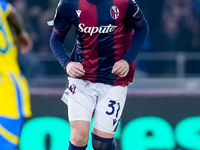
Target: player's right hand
(75,69)
(24,42)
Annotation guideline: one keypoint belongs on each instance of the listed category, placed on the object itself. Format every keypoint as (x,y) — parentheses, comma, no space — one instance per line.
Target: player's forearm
(14,22)
(58,49)
(138,40)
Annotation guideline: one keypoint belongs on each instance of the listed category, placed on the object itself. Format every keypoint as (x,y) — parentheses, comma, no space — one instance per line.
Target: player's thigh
(78,112)
(109,110)
(10,133)
(79,117)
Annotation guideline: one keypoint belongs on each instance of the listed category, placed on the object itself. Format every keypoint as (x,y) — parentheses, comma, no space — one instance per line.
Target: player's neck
(95,2)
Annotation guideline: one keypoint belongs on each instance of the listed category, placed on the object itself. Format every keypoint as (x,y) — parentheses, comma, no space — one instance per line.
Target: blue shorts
(9,133)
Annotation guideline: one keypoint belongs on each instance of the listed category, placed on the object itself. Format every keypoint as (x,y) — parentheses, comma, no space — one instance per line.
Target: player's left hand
(121,68)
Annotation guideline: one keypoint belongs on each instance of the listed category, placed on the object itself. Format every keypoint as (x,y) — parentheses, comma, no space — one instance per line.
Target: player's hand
(75,69)
(121,68)
(24,42)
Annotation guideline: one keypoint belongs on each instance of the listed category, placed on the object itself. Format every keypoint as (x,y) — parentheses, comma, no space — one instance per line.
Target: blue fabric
(100,143)
(73,147)
(58,49)
(13,126)
(4,5)
(6,145)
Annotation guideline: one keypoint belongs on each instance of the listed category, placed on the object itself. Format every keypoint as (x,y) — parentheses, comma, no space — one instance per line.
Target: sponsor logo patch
(91,30)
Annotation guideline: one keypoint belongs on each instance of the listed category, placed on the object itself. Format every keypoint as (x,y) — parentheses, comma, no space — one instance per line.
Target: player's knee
(99,143)
(80,138)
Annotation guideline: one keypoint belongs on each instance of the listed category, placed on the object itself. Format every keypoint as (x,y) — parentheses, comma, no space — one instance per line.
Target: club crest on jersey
(114,12)
(72,88)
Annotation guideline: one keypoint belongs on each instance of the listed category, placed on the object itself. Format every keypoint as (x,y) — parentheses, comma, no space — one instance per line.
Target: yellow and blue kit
(14,92)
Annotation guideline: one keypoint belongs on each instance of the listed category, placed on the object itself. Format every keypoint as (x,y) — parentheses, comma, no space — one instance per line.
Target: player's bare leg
(102,134)
(79,133)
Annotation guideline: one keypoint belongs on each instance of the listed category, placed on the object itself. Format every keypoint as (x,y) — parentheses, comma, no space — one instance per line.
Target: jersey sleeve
(6,7)
(61,26)
(62,23)
(135,19)
(134,15)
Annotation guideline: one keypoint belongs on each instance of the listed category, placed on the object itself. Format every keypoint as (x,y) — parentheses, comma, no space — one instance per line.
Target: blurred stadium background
(162,110)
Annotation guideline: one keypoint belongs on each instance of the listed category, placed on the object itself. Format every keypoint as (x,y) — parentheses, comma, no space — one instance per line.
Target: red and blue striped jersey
(104,35)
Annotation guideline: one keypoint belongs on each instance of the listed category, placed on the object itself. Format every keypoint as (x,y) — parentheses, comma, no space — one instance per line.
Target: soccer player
(14,94)
(101,64)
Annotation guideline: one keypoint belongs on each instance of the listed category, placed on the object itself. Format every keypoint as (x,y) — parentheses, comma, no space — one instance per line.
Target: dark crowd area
(174,24)
(174,27)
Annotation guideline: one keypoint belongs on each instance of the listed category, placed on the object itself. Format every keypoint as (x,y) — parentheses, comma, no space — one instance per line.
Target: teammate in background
(101,64)
(14,93)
